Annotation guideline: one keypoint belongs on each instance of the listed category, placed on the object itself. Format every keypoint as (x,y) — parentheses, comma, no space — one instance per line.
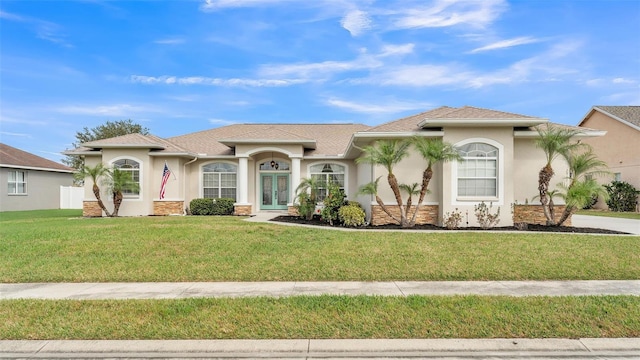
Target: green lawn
(614,214)
(59,248)
(324,317)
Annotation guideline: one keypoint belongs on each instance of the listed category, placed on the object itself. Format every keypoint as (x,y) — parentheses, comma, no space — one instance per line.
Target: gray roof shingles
(629,114)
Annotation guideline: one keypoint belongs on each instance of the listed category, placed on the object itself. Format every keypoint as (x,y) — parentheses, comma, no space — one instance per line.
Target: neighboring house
(30,182)
(260,165)
(619,147)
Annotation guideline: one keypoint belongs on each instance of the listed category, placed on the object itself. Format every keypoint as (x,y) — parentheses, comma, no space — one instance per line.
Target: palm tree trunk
(393,183)
(117,201)
(568,211)
(96,193)
(386,211)
(426,179)
(544,178)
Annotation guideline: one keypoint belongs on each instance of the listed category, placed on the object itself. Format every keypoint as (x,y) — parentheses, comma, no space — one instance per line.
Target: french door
(275,191)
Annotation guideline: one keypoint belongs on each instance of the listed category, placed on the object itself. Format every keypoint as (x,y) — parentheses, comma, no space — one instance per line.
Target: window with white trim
(219,180)
(327,173)
(132,167)
(17,184)
(478,170)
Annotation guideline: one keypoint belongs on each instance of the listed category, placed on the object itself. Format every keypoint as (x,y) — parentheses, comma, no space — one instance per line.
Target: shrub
(484,216)
(332,203)
(452,220)
(306,206)
(622,196)
(222,206)
(352,215)
(201,206)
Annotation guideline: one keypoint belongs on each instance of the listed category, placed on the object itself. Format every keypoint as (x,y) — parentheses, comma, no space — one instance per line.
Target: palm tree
(118,181)
(388,153)
(411,190)
(554,141)
(582,187)
(94,172)
(372,189)
(307,195)
(433,151)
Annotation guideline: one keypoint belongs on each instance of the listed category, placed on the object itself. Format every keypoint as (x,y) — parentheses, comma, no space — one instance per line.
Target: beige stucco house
(260,165)
(619,148)
(30,182)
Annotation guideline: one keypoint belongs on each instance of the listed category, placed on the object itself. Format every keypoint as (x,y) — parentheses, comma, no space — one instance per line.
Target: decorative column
(295,177)
(242,206)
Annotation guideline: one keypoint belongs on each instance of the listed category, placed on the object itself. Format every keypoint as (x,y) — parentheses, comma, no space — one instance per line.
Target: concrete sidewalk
(94,291)
(628,348)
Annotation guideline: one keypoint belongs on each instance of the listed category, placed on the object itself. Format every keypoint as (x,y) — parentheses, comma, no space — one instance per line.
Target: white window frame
(15,182)
(468,200)
(137,196)
(220,187)
(346,173)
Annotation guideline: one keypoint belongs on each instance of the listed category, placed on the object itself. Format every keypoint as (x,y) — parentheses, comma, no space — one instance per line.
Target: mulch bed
(530,227)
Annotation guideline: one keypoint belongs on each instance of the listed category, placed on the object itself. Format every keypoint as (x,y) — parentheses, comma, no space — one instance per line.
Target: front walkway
(93,291)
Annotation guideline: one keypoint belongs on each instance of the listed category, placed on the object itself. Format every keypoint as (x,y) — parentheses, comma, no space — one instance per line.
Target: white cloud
(106,110)
(311,70)
(212,5)
(423,75)
(506,44)
(222,122)
(5,133)
(390,50)
(444,13)
(170,41)
(623,81)
(356,22)
(44,30)
(203,80)
(368,108)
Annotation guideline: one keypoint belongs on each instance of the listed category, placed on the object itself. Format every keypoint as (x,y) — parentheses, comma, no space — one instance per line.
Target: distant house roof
(628,115)
(15,158)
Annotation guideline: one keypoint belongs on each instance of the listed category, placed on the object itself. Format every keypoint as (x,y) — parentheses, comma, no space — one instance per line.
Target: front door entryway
(275,191)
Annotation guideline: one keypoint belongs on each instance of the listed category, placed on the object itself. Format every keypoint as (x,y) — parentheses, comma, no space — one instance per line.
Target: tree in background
(107,130)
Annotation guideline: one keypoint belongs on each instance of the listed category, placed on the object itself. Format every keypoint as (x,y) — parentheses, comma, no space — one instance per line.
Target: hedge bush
(622,196)
(218,206)
(201,206)
(222,206)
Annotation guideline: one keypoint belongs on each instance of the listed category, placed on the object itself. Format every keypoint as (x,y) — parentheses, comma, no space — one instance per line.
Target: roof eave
(534,133)
(595,108)
(481,122)
(351,148)
(309,144)
(35,168)
(126,146)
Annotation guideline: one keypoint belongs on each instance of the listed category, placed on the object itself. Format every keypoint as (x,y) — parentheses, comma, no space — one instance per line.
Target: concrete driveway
(601,222)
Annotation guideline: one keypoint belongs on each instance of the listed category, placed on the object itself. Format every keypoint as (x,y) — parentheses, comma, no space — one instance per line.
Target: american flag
(165,177)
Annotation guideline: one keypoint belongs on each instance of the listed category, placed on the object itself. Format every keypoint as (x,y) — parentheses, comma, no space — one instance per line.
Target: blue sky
(178,67)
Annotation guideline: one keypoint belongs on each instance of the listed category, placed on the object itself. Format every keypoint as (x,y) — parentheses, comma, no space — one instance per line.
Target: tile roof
(131,140)
(629,114)
(410,123)
(331,139)
(13,157)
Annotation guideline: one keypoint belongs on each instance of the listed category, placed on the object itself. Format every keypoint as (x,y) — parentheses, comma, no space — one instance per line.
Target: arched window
(132,167)
(275,165)
(219,180)
(326,173)
(478,170)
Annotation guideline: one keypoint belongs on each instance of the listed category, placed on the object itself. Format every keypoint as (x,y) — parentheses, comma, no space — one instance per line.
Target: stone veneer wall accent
(164,208)
(242,210)
(427,214)
(292,211)
(91,209)
(533,214)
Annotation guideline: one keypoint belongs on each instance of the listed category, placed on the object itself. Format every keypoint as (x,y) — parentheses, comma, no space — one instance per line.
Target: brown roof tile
(410,123)
(17,158)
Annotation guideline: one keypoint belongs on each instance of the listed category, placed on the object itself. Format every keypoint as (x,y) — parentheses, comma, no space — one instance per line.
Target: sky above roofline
(178,67)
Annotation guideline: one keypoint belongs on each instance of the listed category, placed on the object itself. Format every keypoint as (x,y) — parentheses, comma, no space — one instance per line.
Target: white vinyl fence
(71,197)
